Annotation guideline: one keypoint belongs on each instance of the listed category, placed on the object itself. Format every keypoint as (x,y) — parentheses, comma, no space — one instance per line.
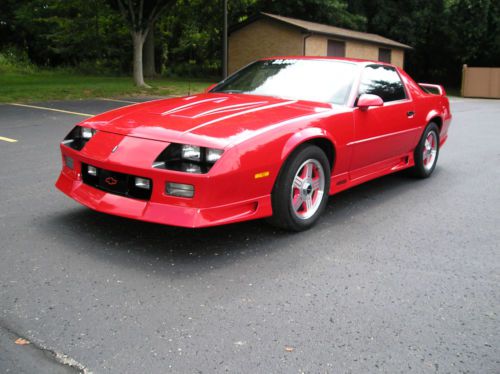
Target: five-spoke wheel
(430,150)
(308,188)
(427,151)
(301,190)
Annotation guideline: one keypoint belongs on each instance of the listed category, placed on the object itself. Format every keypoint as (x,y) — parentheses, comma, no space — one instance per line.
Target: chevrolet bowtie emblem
(111,181)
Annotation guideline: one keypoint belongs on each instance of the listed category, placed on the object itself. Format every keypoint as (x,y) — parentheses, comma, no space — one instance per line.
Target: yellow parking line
(8,139)
(53,110)
(119,101)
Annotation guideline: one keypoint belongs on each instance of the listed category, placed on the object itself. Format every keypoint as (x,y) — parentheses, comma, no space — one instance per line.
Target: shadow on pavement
(135,243)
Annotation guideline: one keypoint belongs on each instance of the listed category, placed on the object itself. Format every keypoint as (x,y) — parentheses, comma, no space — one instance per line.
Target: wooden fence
(481,82)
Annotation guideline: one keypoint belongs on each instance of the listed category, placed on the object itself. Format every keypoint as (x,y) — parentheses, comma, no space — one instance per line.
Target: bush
(191,69)
(108,67)
(13,60)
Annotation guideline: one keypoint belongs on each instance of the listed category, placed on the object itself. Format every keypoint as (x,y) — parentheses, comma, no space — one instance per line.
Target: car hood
(207,119)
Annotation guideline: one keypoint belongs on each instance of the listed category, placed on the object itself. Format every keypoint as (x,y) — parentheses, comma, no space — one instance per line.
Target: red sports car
(272,140)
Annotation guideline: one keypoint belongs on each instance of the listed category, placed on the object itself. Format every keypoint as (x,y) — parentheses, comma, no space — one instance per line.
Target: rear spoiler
(434,89)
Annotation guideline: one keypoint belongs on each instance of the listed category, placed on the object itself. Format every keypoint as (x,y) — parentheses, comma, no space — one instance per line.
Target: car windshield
(313,80)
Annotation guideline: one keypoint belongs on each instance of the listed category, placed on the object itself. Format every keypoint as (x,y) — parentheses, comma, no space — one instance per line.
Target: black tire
(305,158)
(421,169)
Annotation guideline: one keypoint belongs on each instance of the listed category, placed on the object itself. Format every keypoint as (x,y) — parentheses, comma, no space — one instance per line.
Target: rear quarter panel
(427,107)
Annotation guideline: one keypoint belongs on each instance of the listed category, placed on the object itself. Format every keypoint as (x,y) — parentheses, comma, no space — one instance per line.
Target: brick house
(272,35)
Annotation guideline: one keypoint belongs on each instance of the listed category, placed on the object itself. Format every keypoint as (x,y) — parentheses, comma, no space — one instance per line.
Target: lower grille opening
(116,183)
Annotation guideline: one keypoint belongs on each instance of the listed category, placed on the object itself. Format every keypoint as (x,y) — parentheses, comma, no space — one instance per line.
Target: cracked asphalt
(399,276)
(28,358)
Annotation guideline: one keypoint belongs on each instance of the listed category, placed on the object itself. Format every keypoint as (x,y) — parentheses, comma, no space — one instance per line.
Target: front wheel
(427,152)
(301,191)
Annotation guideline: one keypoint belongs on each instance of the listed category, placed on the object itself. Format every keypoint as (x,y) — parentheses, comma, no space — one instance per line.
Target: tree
(475,23)
(74,33)
(149,54)
(140,16)
(88,34)
(333,12)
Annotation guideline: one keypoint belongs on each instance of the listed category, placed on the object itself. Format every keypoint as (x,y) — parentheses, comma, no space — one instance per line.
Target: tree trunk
(149,54)
(138,38)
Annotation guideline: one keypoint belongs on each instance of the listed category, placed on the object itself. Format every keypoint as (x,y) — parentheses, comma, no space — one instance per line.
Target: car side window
(383,81)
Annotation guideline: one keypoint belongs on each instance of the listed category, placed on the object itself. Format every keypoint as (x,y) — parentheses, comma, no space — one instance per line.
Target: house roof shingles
(318,28)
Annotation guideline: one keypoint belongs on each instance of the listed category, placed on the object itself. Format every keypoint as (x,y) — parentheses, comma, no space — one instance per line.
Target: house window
(336,48)
(384,55)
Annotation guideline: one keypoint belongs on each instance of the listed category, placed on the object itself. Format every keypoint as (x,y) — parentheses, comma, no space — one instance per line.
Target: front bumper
(166,214)
(220,198)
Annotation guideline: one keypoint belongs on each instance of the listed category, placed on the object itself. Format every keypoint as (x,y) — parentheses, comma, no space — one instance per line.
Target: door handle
(410,114)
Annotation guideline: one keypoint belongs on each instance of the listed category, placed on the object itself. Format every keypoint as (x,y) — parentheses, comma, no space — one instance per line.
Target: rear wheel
(427,152)
(301,191)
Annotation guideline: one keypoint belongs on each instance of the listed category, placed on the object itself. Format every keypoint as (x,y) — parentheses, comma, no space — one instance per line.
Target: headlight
(78,137)
(188,158)
(191,152)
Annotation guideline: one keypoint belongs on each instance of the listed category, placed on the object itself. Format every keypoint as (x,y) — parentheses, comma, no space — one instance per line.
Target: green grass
(40,85)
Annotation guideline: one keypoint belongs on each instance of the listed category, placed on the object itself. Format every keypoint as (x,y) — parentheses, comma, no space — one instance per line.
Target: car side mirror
(210,87)
(367,100)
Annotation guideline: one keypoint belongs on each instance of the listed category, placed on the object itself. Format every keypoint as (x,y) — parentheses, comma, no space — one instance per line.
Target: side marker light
(263,174)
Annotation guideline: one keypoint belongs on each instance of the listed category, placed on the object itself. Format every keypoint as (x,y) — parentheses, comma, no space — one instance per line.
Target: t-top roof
(318,28)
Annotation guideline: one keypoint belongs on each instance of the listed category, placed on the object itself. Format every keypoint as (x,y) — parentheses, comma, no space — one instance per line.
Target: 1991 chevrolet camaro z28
(272,140)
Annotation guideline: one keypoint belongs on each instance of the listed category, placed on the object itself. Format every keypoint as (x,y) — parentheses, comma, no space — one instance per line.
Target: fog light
(142,183)
(92,171)
(180,190)
(69,162)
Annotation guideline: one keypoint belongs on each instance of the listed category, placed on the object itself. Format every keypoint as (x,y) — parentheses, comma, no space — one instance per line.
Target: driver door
(382,135)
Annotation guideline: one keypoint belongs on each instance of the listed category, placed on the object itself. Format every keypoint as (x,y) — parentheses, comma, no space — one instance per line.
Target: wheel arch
(314,136)
(435,117)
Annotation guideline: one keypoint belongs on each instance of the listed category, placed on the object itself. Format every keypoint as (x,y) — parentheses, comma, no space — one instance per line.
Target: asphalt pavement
(399,276)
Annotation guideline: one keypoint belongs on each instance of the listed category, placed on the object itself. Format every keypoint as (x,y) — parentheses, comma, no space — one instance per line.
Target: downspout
(306,36)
